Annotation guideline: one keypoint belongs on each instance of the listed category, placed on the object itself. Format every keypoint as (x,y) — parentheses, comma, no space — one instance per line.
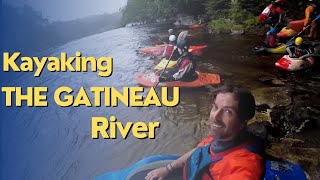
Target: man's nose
(216,115)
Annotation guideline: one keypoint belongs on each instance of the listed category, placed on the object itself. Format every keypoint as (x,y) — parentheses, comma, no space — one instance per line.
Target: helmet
(171,31)
(298,41)
(273,30)
(312,2)
(172,38)
(274,2)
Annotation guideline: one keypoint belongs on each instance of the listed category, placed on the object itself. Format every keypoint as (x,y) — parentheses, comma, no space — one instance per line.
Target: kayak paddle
(316,18)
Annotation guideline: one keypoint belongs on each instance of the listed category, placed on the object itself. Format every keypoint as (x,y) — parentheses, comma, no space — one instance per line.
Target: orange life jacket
(239,162)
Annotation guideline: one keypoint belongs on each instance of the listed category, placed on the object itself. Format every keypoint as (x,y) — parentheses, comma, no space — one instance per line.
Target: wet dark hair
(246,100)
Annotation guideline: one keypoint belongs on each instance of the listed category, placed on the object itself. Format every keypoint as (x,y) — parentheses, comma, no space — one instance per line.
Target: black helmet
(312,2)
(171,32)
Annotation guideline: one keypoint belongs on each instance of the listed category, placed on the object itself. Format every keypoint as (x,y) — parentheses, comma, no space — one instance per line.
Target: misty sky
(71,9)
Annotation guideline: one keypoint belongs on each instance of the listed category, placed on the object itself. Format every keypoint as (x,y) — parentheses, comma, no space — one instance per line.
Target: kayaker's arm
(308,11)
(165,51)
(288,48)
(179,163)
(162,172)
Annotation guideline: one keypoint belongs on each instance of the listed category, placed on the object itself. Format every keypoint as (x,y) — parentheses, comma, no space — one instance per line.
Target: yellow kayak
(281,49)
(163,64)
(287,32)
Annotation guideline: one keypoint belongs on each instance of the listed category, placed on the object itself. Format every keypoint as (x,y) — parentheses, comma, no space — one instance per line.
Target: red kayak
(294,64)
(293,28)
(158,50)
(196,26)
(265,14)
(296,25)
(203,79)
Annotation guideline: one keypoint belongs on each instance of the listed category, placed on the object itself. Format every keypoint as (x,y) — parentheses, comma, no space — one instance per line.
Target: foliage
(216,9)
(237,27)
(149,10)
(253,7)
(236,12)
(220,25)
(242,12)
(248,23)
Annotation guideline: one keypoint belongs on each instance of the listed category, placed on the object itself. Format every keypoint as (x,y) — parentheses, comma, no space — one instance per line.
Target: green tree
(149,10)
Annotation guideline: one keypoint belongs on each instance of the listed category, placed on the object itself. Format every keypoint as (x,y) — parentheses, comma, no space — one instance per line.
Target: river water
(55,142)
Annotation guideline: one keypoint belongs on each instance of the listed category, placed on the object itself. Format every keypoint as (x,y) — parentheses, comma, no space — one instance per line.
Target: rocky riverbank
(288,117)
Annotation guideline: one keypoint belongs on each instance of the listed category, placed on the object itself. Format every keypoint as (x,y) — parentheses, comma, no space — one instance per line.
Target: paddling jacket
(186,68)
(296,52)
(272,11)
(311,12)
(240,161)
(168,51)
(275,11)
(271,40)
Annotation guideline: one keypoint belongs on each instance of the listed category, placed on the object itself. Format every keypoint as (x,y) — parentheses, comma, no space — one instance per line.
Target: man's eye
(228,111)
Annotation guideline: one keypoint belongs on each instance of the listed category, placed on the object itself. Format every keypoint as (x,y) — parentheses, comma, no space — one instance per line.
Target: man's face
(224,119)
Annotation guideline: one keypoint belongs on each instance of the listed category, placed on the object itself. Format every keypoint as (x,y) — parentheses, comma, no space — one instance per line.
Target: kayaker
(200,19)
(298,49)
(310,13)
(228,151)
(164,39)
(169,47)
(271,38)
(184,70)
(276,12)
(171,32)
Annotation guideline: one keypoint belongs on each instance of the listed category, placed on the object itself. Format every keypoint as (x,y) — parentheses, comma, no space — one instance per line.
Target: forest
(219,14)
(27,31)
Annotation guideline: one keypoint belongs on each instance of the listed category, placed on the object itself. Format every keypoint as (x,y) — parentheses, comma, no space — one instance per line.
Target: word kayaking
(55,64)
(102,96)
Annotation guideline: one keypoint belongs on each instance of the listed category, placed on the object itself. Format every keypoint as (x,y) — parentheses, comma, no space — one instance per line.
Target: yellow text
(57,64)
(34,96)
(139,129)
(110,96)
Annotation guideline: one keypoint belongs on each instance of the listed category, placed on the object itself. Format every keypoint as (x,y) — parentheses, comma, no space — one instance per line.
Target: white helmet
(172,38)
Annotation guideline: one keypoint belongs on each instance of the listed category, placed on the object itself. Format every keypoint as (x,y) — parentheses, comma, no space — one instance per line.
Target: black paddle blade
(182,36)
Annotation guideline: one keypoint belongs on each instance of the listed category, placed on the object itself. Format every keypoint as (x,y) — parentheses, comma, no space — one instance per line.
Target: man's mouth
(216,125)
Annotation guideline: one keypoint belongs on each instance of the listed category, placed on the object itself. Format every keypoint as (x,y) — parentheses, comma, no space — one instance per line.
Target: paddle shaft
(181,37)
(166,67)
(298,34)
(316,18)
